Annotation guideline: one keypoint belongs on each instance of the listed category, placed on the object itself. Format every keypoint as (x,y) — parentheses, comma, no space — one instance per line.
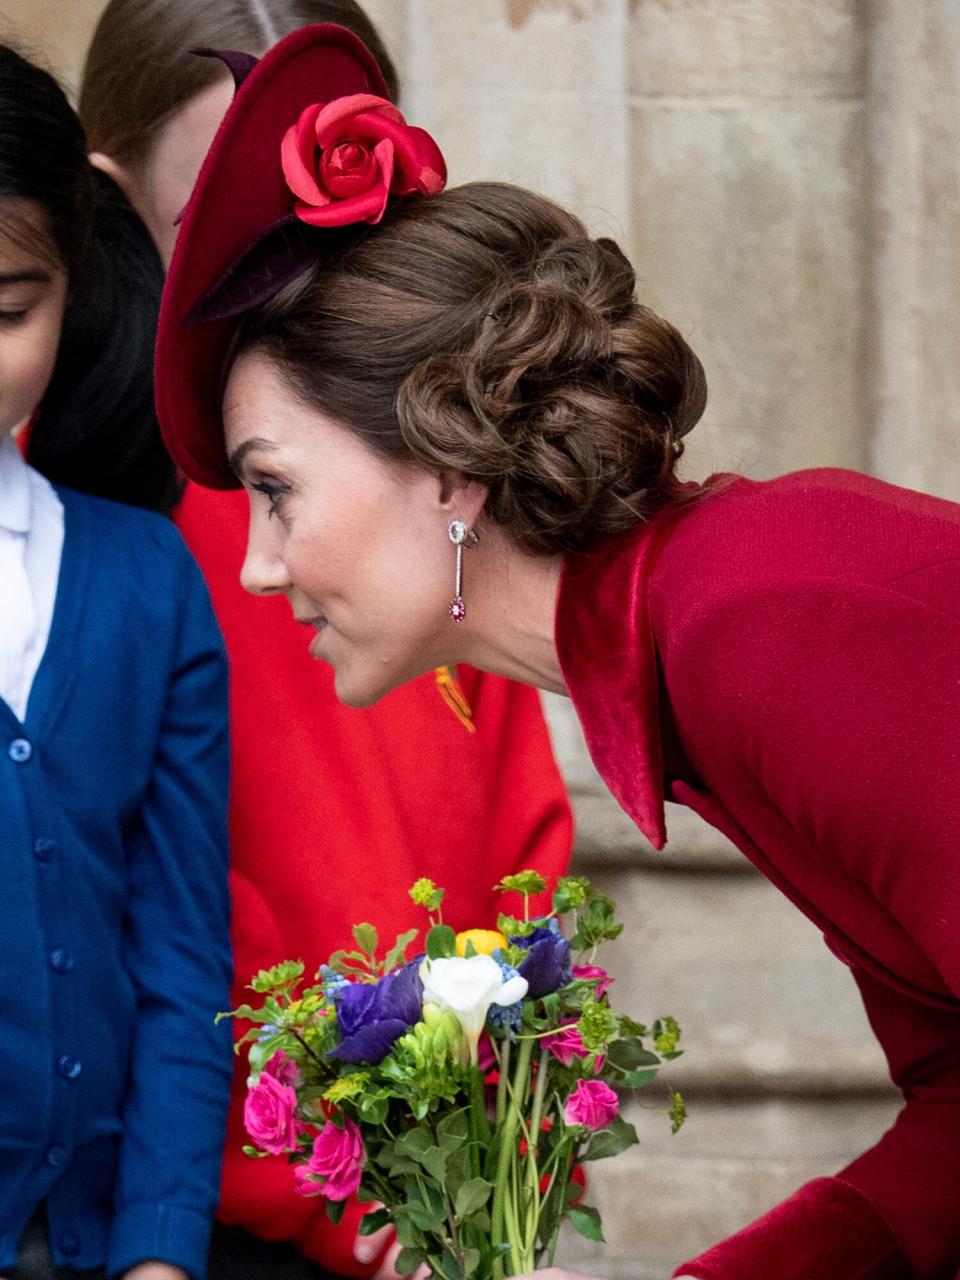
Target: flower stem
(508,1124)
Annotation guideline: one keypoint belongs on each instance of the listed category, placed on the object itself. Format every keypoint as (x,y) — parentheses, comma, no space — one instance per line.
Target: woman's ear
(461,498)
(118,172)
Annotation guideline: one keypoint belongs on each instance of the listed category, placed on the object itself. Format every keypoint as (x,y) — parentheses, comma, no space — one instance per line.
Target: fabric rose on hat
(336,1163)
(344,159)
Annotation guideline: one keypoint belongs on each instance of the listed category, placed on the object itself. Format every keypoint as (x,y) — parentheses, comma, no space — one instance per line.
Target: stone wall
(786,176)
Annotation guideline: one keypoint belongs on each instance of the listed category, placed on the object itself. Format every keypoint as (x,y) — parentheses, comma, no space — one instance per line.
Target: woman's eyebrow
(34,276)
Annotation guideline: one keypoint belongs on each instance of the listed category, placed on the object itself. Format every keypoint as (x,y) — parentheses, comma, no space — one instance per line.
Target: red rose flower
(344,159)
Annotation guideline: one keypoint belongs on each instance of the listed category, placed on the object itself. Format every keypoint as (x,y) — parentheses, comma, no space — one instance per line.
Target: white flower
(468,986)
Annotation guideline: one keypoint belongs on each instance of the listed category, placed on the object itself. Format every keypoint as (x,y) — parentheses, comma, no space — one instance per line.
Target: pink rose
(594,971)
(270,1115)
(282,1068)
(567,1044)
(344,159)
(338,1158)
(592,1104)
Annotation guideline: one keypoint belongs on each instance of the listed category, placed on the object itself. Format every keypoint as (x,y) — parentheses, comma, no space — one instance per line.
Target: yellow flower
(485,941)
(347,1087)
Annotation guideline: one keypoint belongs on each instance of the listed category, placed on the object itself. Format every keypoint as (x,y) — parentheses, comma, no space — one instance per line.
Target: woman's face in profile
(358,545)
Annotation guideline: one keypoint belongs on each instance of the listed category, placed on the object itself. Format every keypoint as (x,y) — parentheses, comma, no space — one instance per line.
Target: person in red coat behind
(332,815)
(781,656)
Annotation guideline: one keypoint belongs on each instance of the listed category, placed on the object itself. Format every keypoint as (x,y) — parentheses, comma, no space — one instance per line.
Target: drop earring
(461,537)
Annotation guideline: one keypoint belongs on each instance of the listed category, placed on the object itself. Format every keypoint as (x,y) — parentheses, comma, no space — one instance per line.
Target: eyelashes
(273,491)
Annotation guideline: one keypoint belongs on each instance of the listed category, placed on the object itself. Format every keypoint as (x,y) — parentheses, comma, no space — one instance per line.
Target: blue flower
(372,1015)
(547,964)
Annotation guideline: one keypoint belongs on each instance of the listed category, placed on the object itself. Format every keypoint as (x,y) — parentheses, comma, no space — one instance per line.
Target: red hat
(290,159)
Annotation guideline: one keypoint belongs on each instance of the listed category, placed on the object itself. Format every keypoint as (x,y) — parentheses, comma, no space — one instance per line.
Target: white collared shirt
(31,544)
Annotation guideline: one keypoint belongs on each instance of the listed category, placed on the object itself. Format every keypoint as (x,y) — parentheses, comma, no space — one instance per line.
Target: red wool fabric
(784,658)
(335,812)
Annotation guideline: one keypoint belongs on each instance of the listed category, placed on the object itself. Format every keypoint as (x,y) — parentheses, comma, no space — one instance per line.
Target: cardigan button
(44,849)
(57,1156)
(68,1068)
(61,961)
(68,1243)
(19,751)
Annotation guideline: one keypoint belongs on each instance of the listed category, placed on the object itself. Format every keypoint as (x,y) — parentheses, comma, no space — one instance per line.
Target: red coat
(784,658)
(335,812)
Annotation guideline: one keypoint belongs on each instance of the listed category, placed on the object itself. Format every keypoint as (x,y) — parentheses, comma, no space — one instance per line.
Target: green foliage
(666,1033)
(595,923)
(426,894)
(513,927)
(397,955)
(441,942)
(471,1196)
(678,1110)
(375,1221)
(586,1221)
(282,977)
(335,1210)
(570,894)
(525,882)
(597,1025)
(617,1137)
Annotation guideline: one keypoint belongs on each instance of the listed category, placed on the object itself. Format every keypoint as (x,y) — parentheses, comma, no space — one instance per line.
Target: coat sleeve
(178,955)
(527,824)
(840,707)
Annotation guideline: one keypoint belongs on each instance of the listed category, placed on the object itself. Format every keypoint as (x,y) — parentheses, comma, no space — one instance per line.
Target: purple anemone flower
(547,964)
(372,1015)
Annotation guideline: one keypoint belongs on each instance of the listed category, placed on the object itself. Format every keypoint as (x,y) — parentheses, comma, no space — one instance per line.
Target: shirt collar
(16,504)
(609,663)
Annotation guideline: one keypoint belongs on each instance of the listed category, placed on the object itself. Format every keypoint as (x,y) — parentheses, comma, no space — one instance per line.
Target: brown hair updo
(481,330)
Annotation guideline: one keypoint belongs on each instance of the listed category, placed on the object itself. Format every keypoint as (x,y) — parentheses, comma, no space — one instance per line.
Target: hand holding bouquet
(459,1090)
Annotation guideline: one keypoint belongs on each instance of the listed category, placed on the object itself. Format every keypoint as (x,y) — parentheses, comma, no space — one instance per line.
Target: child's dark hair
(95,429)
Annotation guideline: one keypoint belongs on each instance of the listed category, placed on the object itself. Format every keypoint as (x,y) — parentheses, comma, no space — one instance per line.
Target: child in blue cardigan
(114,949)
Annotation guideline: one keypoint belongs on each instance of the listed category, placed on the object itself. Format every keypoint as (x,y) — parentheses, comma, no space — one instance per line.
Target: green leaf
(610,1141)
(422,1218)
(471,1261)
(246,1012)
(254,1153)
(473,1195)
(408,1233)
(281,975)
(407,1261)
(371,1222)
(456,1124)
(587,1222)
(366,938)
(335,1210)
(435,1163)
(636,1079)
(413,1143)
(374,1109)
(628,1055)
(397,953)
(441,942)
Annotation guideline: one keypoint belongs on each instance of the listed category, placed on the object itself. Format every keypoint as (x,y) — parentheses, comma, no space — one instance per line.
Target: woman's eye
(12,317)
(274,492)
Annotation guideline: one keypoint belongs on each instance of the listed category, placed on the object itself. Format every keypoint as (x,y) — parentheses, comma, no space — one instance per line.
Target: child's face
(33,292)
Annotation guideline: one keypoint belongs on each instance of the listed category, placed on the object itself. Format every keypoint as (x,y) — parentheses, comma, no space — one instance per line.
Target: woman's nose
(263,572)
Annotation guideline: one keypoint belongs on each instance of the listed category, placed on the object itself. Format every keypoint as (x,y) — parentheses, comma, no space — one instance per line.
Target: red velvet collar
(609,663)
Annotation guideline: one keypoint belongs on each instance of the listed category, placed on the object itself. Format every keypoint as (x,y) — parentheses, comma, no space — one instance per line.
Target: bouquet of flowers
(458,1091)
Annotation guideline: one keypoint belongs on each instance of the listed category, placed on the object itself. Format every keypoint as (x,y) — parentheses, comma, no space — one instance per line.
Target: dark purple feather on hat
(283,252)
(238,64)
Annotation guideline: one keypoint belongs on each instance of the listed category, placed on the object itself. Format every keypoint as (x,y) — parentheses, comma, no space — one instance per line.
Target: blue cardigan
(114,946)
